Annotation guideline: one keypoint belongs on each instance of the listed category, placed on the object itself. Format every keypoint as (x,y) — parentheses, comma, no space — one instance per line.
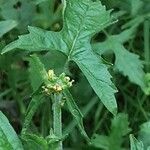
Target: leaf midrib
(95,77)
(77,35)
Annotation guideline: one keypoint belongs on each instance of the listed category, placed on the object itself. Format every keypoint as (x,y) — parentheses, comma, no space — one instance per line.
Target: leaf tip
(114,111)
(3,51)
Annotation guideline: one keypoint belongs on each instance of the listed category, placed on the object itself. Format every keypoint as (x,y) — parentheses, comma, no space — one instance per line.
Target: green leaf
(135,144)
(6,26)
(144,134)
(130,65)
(22,11)
(136,6)
(39,1)
(126,62)
(74,30)
(35,102)
(81,20)
(75,111)
(148,148)
(38,74)
(34,142)
(98,76)
(119,123)
(100,141)
(57,61)
(38,40)
(119,128)
(8,137)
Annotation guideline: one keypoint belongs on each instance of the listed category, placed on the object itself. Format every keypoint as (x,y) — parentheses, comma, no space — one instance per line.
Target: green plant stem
(147,44)
(46,119)
(57,124)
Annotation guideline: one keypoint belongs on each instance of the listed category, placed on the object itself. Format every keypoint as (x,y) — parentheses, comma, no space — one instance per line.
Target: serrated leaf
(34,142)
(38,40)
(143,142)
(100,141)
(81,20)
(130,65)
(126,62)
(98,76)
(38,76)
(37,72)
(35,102)
(135,144)
(8,137)
(120,123)
(144,134)
(75,111)
(93,18)
(6,26)
(115,139)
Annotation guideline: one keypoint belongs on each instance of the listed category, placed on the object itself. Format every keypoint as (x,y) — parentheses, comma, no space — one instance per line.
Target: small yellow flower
(70,83)
(51,74)
(46,90)
(57,88)
(67,78)
(56,83)
(43,87)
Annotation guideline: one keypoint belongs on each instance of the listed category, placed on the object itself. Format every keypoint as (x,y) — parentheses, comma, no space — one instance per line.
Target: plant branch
(57,122)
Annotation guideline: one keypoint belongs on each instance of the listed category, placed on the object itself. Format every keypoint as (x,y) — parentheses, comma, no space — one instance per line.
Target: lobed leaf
(126,62)
(115,139)
(81,20)
(135,144)
(144,134)
(38,40)
(98,76)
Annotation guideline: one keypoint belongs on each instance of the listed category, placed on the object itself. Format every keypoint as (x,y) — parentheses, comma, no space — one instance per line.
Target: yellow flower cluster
(56,84)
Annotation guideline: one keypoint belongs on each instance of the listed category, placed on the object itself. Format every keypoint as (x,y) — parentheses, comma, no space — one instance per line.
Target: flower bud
(67,79)
(51,74)
(57,88)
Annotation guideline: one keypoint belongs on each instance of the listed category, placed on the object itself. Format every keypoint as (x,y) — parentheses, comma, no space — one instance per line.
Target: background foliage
(108,56)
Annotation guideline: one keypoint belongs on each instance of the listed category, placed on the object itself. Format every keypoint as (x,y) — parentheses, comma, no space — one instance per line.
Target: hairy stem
(57,124)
